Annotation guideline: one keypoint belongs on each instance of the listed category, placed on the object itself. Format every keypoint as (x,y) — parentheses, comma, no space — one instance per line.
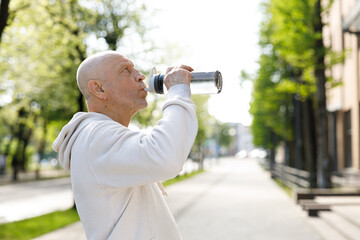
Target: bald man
(116,172)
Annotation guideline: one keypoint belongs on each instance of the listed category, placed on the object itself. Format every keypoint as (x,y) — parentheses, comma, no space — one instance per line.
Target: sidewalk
(232,200)
(236,200)
(31,176)
(26,200)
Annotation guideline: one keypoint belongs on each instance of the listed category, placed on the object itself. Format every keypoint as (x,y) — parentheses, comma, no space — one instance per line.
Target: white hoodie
(114,170)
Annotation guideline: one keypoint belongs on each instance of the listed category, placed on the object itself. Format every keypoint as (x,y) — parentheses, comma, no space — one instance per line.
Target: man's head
(111,84)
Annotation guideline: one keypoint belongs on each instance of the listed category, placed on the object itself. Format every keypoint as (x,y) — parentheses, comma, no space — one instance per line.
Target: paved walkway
(26,200)
(233,200)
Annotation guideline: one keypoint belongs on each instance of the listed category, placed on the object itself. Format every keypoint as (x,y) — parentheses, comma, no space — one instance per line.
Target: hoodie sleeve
(121,157)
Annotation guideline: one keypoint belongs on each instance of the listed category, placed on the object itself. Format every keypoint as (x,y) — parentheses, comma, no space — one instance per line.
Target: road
(234,199)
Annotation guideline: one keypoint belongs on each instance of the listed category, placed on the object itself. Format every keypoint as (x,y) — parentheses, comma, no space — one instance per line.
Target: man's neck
(118,116)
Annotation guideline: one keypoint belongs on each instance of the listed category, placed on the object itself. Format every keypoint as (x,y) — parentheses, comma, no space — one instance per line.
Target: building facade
(341,34)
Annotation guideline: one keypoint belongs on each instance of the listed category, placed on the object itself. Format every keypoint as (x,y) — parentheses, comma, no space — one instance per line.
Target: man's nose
(140,76)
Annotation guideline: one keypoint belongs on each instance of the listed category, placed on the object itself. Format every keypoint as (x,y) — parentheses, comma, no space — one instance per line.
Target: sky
(214,35)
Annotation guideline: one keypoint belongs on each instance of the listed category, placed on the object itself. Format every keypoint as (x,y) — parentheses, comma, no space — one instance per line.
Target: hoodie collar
(66,138)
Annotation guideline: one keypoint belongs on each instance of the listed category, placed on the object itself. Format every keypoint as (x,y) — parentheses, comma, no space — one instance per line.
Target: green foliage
(113,18)
(39,55)
(271,99)
(40,52)
(226,135)
(294,37)
(203,117)
(289,58)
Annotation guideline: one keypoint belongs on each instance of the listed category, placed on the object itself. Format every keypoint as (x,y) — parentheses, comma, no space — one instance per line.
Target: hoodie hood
(65,140)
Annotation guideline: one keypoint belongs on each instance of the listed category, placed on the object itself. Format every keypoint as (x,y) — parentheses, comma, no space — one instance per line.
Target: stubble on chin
(139,102)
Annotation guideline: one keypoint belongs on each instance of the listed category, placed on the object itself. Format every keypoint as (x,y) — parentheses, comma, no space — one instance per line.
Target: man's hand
(177,75)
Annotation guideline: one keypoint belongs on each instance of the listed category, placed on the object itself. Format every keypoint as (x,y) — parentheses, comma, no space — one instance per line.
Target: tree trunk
(42,147)
(323,163)
(23,135)
(309,141)
(25,140)
(14,164)
(273,137)
(16,159)
(4,15)
(298,137)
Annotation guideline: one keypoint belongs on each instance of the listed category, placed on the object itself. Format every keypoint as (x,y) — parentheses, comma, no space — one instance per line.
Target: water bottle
(201,82)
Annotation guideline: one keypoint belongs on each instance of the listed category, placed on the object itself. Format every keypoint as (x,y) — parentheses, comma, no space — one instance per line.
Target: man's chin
(144,105)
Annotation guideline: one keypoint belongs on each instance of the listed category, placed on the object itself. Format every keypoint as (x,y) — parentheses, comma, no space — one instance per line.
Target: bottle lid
(156,82)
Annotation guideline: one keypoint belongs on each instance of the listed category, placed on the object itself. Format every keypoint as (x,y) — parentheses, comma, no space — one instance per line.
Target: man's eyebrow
(124,65)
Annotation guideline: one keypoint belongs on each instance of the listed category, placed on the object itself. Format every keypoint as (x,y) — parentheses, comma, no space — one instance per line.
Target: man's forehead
(120,61)
(124,64)
(125,61)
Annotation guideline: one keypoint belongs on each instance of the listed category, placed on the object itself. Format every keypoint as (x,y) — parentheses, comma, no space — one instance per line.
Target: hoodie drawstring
(164,193)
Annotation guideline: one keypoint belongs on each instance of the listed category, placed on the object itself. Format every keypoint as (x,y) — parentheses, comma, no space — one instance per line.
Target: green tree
(271,103)
(302,46)
(293,59)
(203,119)
(40,53)
(41,71)
(114,17)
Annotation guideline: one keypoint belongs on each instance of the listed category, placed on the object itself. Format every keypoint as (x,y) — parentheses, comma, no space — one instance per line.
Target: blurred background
(291,92)
(43,44)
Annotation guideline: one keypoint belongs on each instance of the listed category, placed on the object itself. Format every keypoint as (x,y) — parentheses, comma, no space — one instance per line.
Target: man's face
(124,84)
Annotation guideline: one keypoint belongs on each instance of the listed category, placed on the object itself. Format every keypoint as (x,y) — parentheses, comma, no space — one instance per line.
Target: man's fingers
(182,66)
(169,70)
(180,74)
(190,69)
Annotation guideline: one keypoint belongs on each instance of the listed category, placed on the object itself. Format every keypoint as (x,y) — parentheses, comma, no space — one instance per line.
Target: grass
(283,186)
(182,177)
(37,226)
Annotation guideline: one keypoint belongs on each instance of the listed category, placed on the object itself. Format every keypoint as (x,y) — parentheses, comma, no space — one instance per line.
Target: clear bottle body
(201,83)
(206,82)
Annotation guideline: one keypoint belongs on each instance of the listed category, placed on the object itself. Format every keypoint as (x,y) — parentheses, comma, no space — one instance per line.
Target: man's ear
(96,89)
